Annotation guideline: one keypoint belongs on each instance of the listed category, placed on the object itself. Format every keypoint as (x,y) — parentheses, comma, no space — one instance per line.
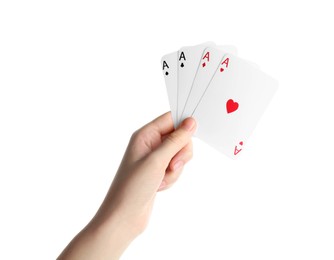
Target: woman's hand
(153,161)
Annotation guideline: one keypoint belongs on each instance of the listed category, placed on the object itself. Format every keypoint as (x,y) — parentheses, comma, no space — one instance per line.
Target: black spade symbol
(166,73)
(182,65)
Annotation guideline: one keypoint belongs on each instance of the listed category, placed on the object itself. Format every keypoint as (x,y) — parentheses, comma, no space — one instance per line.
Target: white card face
(188,63)
(208,65)
(169,69)
(228,49)
(233,104)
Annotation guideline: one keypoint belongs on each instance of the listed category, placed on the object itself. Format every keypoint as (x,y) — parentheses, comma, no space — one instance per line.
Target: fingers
(182,157)
(176,166)
(162,124)
(150,136)
(169,179)
(175,141)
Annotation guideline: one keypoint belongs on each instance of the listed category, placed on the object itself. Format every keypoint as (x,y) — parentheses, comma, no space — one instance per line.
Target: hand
(153,161)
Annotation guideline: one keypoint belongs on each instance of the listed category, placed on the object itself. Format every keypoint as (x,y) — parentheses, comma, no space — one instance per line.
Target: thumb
(176,140)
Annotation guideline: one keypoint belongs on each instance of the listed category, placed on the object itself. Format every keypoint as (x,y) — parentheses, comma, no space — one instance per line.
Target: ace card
(188,63)
(206,69)
(169,69)
(232,104)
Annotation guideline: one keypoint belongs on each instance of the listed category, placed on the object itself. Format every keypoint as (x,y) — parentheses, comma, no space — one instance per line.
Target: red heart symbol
(231,106)
(221,69)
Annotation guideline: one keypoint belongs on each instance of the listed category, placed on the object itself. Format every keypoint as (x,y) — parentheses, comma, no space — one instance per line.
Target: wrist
(122,215)
(111,234)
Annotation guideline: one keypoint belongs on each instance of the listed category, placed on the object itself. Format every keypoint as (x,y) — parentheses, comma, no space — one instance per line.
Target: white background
(78,77)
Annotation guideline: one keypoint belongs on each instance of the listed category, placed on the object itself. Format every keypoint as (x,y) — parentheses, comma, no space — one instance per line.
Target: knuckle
(135,135)
(138,135)
(175,138)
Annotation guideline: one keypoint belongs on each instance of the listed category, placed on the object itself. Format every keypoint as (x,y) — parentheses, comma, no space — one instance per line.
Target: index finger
(162,124)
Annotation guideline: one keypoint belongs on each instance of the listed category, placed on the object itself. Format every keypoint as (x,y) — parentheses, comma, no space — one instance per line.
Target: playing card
(231,49)
(233,104)
(206,69)
(209,62)
(188,63)
(228,49)
(169,69)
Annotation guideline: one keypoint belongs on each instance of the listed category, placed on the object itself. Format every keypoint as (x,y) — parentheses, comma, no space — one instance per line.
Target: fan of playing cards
(224,93)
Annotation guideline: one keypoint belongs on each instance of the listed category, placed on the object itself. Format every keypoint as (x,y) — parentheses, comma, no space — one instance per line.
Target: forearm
(99,240)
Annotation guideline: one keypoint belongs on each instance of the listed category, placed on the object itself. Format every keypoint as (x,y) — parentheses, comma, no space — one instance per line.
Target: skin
(153,161)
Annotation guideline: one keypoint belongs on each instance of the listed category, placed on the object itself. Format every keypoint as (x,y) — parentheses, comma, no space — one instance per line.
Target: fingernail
(188,124)
(163,185)
(178,165)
